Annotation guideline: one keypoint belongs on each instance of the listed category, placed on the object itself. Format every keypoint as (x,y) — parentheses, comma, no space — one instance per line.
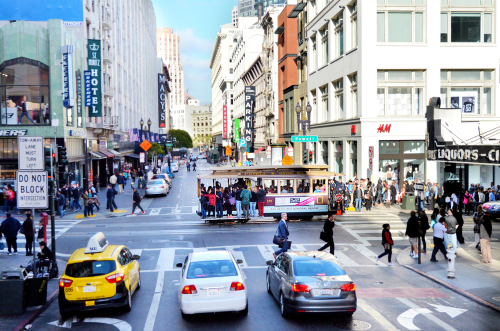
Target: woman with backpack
(387,242)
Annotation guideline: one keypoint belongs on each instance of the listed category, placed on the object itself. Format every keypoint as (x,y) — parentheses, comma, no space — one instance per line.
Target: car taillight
(189,289)
(63,282)
(163,187)
(300,288)
(147,188)
(348,288)
(115,278)
(237,286)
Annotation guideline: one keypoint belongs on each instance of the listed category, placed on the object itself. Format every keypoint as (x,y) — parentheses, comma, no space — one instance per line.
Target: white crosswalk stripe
(61,226)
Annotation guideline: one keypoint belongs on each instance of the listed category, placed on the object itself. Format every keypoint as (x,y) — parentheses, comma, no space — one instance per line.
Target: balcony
(106,22)
(107,91)
(114,121)
(107,56)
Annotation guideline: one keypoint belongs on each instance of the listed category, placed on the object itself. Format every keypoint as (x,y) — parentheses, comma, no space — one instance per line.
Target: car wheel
(128,306)
(65,315)
(244,312)
(185,316)
(268,283)
(283,311)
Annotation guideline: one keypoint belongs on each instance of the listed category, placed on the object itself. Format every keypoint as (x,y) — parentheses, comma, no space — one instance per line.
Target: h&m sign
(384,128)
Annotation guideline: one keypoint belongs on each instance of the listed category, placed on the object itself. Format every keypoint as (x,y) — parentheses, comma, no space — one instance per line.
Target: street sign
(287,160)
(32,189)
(370,151)
(170,145)
(141,157)
(338,197)
(370,162)
(290,151)
(304,139)
(419,187)
(243,143)
(30,155)
(145,145)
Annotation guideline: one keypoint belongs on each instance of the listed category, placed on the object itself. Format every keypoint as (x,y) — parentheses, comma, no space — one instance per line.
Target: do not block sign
(32,189)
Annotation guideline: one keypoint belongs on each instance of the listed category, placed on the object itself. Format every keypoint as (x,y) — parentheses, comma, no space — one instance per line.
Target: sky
(197,22)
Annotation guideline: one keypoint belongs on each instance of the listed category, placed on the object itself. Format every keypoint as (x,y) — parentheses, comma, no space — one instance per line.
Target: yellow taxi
(99,276)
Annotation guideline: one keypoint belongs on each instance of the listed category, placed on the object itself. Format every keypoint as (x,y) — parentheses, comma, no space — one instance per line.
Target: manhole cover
(352,325)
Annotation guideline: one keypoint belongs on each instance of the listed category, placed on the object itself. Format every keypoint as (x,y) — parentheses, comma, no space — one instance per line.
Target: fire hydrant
(451,264)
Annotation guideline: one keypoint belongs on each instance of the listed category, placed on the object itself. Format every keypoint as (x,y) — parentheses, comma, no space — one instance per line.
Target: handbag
(387,246)
(2,245)
(277,240)
(232,201)
(323,236)
(22,230)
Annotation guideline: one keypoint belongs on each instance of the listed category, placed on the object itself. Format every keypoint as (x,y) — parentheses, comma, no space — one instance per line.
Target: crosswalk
(253,256)
(180,210)
(61,226)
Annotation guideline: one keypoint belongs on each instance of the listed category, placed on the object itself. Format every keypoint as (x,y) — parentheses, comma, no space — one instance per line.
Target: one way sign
(32,189)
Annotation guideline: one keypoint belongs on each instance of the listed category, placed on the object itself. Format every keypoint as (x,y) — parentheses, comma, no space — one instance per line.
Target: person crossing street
(137,202)
(10,227)
(282,233)
(328,230)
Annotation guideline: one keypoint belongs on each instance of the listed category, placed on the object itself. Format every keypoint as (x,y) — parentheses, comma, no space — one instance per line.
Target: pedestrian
(253,201)
(45,252)
(434,216)
(424,226)
(261,199)
(61,199)
(203,202)
(133,174)
(412,233)
(76,198)
(29,234)
(451,234)
(438,239)
(282,233)
(460,221)
(238,200)
(112,180)
(485,230)
(110,196)
(219,202)
(10,226)
(368,198)
(85,197)
(212,200)
(378,196)
(121,182)
(358,198)
(246,195)
(6,195)
(194,165)
(328,236)
(387,242)
(477,218)
(467,198)
(136,201)
(394,192)
(227,203)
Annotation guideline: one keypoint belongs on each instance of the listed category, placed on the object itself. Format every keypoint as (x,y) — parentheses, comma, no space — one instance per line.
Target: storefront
(401,160)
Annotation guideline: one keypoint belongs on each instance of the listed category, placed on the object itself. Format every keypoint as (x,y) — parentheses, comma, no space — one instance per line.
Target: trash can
(408,201)
(13,290)
(36,291)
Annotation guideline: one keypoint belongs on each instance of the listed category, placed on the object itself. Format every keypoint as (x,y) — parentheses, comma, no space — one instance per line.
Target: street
(389,298)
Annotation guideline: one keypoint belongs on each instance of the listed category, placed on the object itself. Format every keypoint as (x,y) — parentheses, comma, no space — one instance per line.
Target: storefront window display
(24,95)
(401,160)
(412,168)
(389,170)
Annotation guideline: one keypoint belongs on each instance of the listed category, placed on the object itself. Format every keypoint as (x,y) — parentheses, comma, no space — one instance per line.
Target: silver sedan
(310,282)
(157,186)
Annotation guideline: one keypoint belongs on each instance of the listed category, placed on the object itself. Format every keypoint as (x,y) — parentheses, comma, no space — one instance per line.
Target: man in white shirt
(112,181)
(454,200)
(439,233)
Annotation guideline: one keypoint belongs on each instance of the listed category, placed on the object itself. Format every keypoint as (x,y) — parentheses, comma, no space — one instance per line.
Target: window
(270,186)
(470,90)
(303,186)
(339,35)
(400,92)
(353,79)
(319,186)
(339,98)
(324,45)
(211,269)
(324,103)
(286,186)
(24,95)
(475,25)
(400,21)
(354,24)
(315,56)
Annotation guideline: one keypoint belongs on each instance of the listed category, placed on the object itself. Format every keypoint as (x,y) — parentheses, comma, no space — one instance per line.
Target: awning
(134,156)
(297,9)
(105,152)
(260,150)
(114,152)
(126,152)
(280,30)
(97,155)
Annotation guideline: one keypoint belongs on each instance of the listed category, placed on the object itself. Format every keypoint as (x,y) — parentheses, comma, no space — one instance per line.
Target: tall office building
(234,17)
(169,49)
(250,8)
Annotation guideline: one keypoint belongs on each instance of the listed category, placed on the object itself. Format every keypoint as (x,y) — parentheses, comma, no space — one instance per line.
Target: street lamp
(149,125)
(305,120)
(141,123)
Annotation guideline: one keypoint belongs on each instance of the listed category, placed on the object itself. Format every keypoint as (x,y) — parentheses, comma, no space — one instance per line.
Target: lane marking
(384,322)
(406,318)
(153,310)
(166,259)
(238,255)
(368,253)
(266,251)
(427,315)
(346,261)
(155,211)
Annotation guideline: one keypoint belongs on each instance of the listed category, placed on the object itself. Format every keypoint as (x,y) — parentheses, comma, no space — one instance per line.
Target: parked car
(493,207)
(174,166)
(157,186)
(165,177)
(310,282)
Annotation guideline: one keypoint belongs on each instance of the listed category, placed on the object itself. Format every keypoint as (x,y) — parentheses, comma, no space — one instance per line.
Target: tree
(203,140)
(183,138)
(155,150)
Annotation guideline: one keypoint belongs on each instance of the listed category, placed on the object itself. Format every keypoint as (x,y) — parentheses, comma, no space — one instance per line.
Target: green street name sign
(304,139)
(170,145)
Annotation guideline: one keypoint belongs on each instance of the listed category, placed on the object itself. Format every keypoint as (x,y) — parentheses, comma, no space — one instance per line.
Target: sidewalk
(17,322)
(473,279)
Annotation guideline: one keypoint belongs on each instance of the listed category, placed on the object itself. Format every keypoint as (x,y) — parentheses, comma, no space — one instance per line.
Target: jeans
(387,252)
(138,204)
(246,210)
(203,212)
(211,210)
(25,113)
(359,203)
(109,204)
(5,205)
(238,208)
(422,238)
(284,249)
(438,246)
(260,205)
(218,207)
(76,203)
(378,200)
(29,244)
(453,238)
(252,208)
(61,211)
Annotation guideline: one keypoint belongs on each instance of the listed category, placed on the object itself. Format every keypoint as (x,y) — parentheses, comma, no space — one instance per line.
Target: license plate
(326,292)
(89,303)
(212,293)
(88,289)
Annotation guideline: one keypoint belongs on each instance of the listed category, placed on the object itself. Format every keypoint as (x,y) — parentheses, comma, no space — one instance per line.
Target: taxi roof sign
(97,244)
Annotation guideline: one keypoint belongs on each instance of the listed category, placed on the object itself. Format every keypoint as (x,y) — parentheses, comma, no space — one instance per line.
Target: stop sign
(338,197)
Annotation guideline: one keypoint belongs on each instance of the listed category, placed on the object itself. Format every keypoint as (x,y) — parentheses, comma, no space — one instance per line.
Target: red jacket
(211,199)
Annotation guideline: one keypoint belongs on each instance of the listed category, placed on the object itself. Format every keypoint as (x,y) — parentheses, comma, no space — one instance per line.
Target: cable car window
(319,186)
(303,186)
(287,186)
(271,186)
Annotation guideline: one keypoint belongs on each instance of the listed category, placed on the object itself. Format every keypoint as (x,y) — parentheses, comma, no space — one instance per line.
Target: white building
(169,49)
(234,17)
(373,66)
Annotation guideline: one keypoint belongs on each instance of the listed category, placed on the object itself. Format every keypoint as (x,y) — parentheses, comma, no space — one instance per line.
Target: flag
(133,134)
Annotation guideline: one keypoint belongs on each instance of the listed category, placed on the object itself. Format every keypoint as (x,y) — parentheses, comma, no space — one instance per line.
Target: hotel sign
(94,63)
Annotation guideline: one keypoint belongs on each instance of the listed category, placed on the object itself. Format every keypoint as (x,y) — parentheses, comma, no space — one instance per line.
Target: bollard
(451,264)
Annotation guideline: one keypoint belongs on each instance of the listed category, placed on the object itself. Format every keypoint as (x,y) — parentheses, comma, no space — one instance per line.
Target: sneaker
(434,260)
(143,212)
(411,254)
(9,253)
(376,260)
(15,253)
(390,264)
(415,256)
(132,214)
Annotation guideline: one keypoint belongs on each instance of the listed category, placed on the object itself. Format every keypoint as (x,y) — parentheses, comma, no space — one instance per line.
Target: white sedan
(174,166)
(212,282)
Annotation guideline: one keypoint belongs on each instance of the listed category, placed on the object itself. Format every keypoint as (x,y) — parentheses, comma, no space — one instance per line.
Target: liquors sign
(94,62)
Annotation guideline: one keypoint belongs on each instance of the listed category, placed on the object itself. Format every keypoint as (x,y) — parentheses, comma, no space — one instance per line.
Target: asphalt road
(389,298)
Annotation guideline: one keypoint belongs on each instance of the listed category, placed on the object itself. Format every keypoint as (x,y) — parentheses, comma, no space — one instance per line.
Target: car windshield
(312,268)
(156,182)
(90,268)
(211,269)
(158,176)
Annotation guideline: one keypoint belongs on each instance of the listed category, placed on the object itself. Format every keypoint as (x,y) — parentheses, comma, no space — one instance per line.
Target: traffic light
(304,157)
(50,160)
(62,156)
(310,156)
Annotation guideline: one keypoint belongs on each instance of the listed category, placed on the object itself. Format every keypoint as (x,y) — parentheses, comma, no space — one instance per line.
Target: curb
(35,313)
(451,287)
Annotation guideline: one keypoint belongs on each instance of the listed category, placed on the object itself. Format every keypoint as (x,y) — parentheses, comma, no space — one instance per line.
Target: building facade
(169,49)
(368,87)
(234,16)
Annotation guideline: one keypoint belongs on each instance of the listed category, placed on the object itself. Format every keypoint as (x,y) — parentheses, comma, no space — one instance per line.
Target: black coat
(28,227)
(412,227)
(261,196)
(136,197)
(424,223)
(328,227)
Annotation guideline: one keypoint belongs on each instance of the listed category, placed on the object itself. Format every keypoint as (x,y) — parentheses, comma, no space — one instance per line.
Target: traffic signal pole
(52,194)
